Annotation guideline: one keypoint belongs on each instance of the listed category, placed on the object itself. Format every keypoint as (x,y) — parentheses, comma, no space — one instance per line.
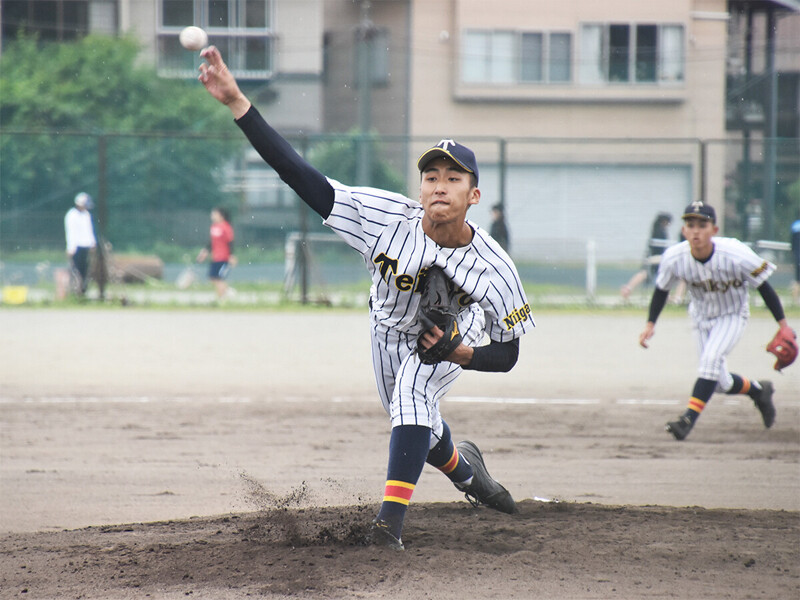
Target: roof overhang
(763,5)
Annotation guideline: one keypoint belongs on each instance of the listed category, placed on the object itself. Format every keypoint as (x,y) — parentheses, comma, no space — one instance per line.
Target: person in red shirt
(220,247)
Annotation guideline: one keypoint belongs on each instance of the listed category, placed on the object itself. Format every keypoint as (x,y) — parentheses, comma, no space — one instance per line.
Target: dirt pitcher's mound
(548,550)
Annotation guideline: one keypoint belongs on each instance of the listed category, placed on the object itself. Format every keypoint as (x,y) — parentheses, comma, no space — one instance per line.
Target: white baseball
(193,38)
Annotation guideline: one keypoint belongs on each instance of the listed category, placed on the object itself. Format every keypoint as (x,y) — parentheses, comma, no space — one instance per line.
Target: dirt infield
(167,454)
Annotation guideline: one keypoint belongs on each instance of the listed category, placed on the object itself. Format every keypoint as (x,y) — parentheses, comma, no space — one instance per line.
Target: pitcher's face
(446,191)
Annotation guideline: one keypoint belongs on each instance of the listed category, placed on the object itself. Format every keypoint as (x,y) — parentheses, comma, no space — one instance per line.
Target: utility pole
(365,35)
(770,130)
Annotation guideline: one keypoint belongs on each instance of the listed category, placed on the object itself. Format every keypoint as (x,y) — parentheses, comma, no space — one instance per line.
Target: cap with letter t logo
(700,211)
(463,156)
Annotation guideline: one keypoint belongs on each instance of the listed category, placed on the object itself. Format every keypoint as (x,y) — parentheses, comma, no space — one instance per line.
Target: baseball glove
(784,347)
(438,307)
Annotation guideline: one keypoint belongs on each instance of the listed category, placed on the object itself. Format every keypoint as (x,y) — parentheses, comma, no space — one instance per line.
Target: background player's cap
(701,211)
(463,156)
(83,200)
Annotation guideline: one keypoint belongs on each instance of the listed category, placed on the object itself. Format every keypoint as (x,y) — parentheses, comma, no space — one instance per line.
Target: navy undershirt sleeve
(497,357)
(657,303)
(771,300)
(308,183)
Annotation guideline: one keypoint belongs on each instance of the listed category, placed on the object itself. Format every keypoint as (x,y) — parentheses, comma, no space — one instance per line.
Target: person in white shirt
(79,232)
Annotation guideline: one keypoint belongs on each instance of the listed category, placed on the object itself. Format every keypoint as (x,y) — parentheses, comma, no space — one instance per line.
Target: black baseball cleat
(484,489)
(381,535)
(764,403)
(680,428)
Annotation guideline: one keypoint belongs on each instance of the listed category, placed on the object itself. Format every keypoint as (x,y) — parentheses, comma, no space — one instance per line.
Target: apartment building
(585,116)
(589,118)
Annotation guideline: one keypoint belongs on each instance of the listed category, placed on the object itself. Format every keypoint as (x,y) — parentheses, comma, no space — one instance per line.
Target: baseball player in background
(79,233)
(718,272)
(399,238)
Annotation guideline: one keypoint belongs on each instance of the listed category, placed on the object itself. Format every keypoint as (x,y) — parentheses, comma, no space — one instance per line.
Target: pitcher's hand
(220,83)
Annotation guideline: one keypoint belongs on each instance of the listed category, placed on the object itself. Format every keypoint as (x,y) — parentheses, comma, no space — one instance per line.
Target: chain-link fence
(579,211)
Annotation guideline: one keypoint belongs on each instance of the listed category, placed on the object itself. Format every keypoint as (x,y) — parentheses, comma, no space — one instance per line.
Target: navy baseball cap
(701,211)
(463,156)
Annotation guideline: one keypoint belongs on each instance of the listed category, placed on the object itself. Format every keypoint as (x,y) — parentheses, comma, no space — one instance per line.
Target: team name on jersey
(406,283)
(717,286)
(759,270)
(518,315)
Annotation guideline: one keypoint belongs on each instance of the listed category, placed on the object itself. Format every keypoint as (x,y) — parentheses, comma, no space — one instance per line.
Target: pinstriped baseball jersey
(718,286)
(386,228)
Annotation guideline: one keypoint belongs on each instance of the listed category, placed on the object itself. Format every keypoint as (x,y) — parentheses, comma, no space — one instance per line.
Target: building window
(51,20)
(635,54)
(488,56)
(241,29)
(516,57)
(376,52)
(532,55)
(560,58)
(379,57)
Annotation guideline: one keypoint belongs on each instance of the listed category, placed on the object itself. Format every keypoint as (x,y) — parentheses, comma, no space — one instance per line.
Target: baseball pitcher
(439,284)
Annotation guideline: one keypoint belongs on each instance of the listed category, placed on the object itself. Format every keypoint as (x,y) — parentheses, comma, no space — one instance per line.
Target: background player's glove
(784,347)
(438,306)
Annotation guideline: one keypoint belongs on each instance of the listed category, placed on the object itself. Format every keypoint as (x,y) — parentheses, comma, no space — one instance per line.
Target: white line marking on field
(647,401)
(121,400)
(360,399)
(496,400)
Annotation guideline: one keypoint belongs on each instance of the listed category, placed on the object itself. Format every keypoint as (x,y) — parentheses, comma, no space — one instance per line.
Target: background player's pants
(410,390)
(219,270)
(716,339)
(80,265)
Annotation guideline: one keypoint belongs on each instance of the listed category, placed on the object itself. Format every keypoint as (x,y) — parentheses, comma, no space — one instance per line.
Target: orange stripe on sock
(745,386)
(451,464)
(696,405)
(398,491)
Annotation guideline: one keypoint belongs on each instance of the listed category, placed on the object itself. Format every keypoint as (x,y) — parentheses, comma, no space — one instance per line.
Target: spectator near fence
(499,229)
(659,234)
(755,219)
(79,231)
(220,248)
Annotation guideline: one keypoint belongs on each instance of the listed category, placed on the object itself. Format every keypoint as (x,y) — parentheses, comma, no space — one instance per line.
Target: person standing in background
(79,232)
(755,219)
(656,244)
(499,230)
(220,247)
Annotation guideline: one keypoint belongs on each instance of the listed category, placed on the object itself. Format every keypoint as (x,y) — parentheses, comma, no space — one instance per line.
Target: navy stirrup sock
(408,448)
